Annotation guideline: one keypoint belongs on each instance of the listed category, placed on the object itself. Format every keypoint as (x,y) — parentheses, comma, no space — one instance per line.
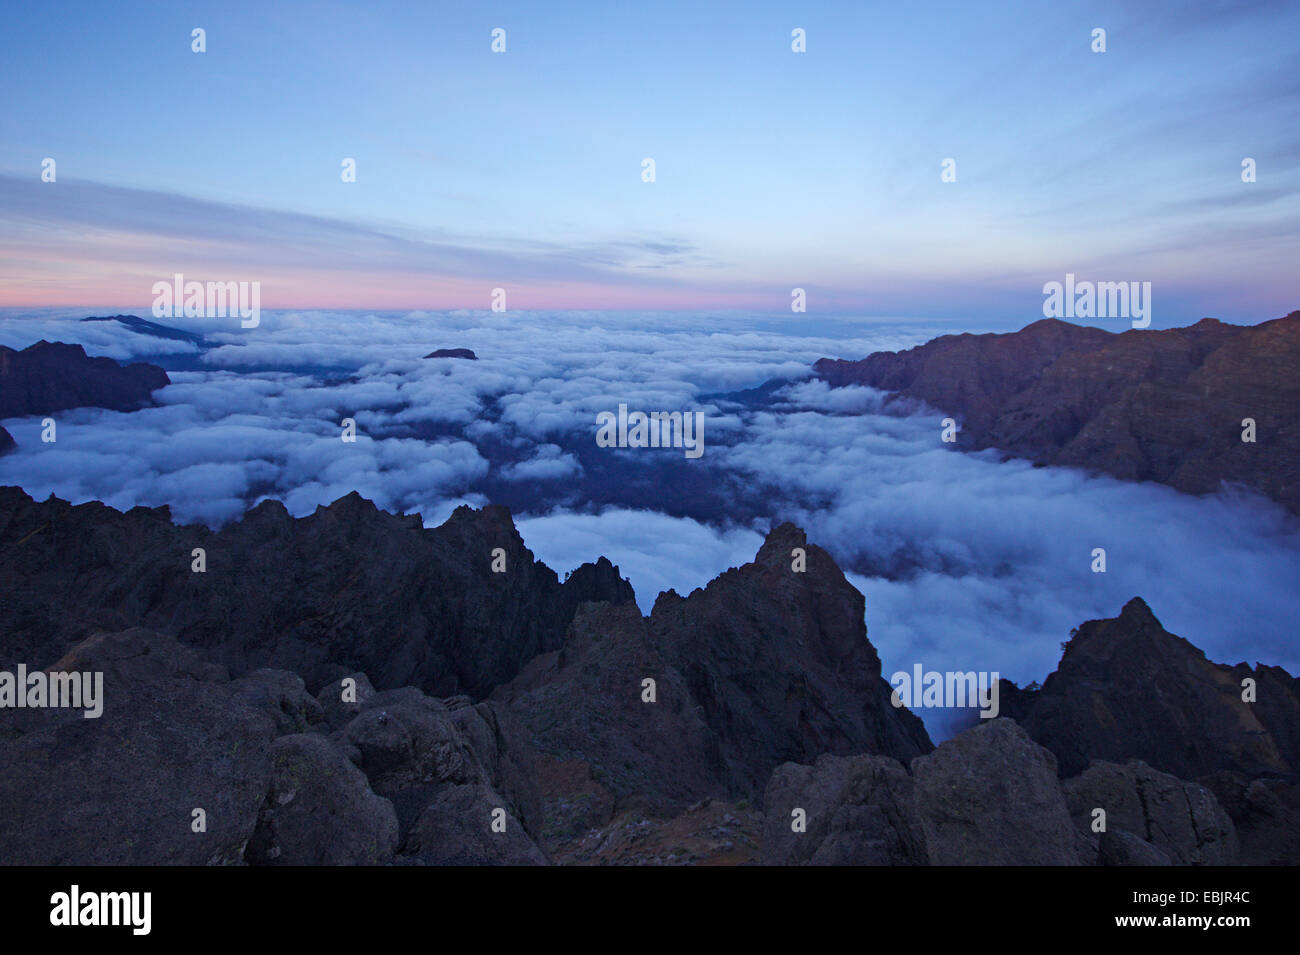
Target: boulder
(990,796)
(320,810)
(1181,819)
(856,810)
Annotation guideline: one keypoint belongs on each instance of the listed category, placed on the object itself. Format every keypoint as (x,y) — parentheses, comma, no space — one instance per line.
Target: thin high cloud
(150,233)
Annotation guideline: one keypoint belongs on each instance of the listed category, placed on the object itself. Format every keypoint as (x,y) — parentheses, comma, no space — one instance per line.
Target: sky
(523,170)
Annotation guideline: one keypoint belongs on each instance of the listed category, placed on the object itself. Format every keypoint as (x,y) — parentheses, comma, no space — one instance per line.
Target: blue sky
(774,169)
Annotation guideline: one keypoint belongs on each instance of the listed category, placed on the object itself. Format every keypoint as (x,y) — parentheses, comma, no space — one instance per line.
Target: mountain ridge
(1144,405)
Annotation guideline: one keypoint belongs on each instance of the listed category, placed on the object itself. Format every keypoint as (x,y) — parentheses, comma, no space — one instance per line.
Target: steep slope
(1126,689)
(1142,405)
(764,665)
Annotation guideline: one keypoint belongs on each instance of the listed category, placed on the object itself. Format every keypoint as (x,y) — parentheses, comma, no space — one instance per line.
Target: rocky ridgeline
(1142,405)
(49,377)
(347,588)
(352,688)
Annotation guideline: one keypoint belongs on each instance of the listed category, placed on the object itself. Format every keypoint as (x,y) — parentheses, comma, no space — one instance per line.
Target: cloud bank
(967,561)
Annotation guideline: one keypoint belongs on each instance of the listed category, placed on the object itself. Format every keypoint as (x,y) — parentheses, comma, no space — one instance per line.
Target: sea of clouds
(967,561)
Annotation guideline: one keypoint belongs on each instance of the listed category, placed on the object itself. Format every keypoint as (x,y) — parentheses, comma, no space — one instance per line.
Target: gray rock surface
(1181,819)
(990,796)
(174,736)
(858,810)
(320,810)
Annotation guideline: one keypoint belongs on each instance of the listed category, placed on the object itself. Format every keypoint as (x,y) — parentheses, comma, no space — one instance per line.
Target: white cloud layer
(967,561)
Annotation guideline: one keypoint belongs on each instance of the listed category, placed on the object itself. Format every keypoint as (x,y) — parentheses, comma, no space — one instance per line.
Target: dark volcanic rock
(1143,405)
(320,810)
(338,711)
(990,796)
(349,588)
(765,687)
(283,696)
(710,832)
(584,703)
(597,582)
(762,666)
(1120,847)
(121,789)
(7,442)
(50,376)
(408,773)
(412,748)
(858,810)
(456,828)
(1180,819)
(453,353)
(1016,702)
(1127,689)
(1266,814)
(780,665)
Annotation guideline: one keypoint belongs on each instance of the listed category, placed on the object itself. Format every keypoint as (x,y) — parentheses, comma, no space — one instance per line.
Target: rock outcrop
(1129,692)
(1128,689)
(186,766)
(49,377)
(991,796)
(1182,821)
(988,796)
(843,810)
(1266,815)
(453,353)
(764,665)
(347,588)
(1143,405)
(174,737)
(315,791)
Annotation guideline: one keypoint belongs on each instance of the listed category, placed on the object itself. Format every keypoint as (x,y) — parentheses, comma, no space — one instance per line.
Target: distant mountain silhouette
(453,353)
(154,330)
(49,377)
(1163,406)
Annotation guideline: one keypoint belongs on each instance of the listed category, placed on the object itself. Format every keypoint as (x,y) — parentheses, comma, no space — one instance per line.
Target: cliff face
(1142,405)
(50,376)
(1128,691)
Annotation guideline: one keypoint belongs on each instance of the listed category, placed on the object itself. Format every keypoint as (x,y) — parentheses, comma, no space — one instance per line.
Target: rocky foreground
(1165,406)
(352,688)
